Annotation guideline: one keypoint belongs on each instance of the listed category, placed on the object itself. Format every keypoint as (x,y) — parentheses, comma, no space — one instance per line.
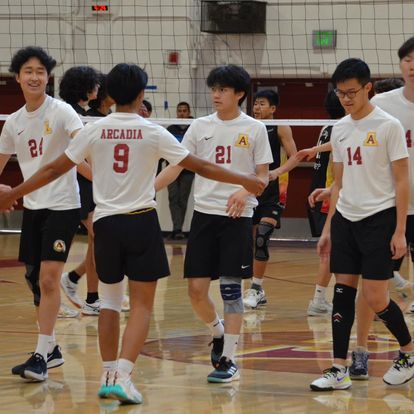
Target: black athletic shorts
(132,245)
(219,246)
(363,247)
(86,197)
(269,205)
(47,235)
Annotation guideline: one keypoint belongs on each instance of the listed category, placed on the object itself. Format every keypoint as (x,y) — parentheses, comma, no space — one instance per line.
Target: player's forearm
(401,204)
(167,176)
(332,207)
(85,170)
(44,176)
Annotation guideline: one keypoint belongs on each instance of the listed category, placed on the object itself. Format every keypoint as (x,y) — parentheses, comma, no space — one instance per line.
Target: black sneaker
(54,360)
(35,368)
(226,371)
(216,350)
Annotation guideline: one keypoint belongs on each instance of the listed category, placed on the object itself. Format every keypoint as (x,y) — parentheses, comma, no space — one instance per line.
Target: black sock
(92,297)
(74,277)
(395,323)
(343,315)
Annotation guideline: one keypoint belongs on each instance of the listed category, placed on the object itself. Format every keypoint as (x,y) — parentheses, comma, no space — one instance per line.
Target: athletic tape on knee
(111,295)
(263,233)
(230,289)
(32,280)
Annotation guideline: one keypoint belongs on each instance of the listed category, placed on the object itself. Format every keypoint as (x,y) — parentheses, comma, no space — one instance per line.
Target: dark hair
(77,82)
(147,105)
(269,94)
(352,69)
(125,82)
(231,76)
(23,55)
(183,103)
(102,92)
(406,48)
(386,85)
(333,106)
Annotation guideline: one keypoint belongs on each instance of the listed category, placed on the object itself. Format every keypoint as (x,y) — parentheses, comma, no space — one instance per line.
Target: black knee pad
(263,233)
(32,279)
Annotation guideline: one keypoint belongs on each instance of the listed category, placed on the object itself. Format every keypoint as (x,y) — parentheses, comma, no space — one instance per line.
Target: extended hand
(319,194)
(236,203)
(324,247)
(7,203)
(254,184)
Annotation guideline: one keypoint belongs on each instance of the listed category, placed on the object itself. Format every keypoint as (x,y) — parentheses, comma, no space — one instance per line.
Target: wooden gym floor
(281,350)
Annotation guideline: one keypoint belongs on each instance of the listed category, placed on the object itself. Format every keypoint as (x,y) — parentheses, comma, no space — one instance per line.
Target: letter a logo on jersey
(371,140)
(243,141)
(47,129)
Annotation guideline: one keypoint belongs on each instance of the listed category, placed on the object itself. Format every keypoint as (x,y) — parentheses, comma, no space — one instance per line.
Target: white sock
(125,367)
(319,295)
(216,327)
(43,345)
(399,281)
(52,343)
(257,281)
(230,345)
(109,365)
(361,349)
(341,367)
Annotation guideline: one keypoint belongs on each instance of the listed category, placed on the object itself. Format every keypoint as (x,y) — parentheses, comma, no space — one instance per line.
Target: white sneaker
(410,308)
(317,308)
(66,312)
(91,309)
(401,371)
(406,290)
(333,379)
(107,379)
(253,298)
(124,390)
(70,290)
(125,304)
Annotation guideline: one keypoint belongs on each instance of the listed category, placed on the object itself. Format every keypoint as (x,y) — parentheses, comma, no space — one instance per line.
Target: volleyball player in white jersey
(220,243)
(39,132)
(368,213)
(400,104)
(124,149)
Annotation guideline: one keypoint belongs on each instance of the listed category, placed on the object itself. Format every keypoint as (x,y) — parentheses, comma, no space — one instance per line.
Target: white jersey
(38,138)
(366,148)
(395,103)
(238,145)
(124,149)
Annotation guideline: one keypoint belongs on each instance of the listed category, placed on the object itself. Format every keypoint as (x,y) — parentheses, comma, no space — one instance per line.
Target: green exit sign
(324,39)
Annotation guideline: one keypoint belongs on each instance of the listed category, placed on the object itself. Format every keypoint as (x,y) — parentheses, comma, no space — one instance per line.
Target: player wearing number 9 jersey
(124,150)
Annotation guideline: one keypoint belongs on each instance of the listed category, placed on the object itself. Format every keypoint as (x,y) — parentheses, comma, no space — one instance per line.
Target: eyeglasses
(350,94)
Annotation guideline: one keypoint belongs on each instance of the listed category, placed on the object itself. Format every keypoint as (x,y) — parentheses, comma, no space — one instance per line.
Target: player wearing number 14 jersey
(365,227)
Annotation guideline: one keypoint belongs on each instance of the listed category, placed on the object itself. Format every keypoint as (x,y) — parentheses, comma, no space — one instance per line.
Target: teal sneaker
(124,390)
(107,380)
(226,371)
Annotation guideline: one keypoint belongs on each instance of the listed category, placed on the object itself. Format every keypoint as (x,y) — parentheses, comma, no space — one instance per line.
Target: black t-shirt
(322,160)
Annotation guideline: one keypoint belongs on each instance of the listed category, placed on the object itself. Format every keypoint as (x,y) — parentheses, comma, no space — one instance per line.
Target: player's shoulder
(387,97)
